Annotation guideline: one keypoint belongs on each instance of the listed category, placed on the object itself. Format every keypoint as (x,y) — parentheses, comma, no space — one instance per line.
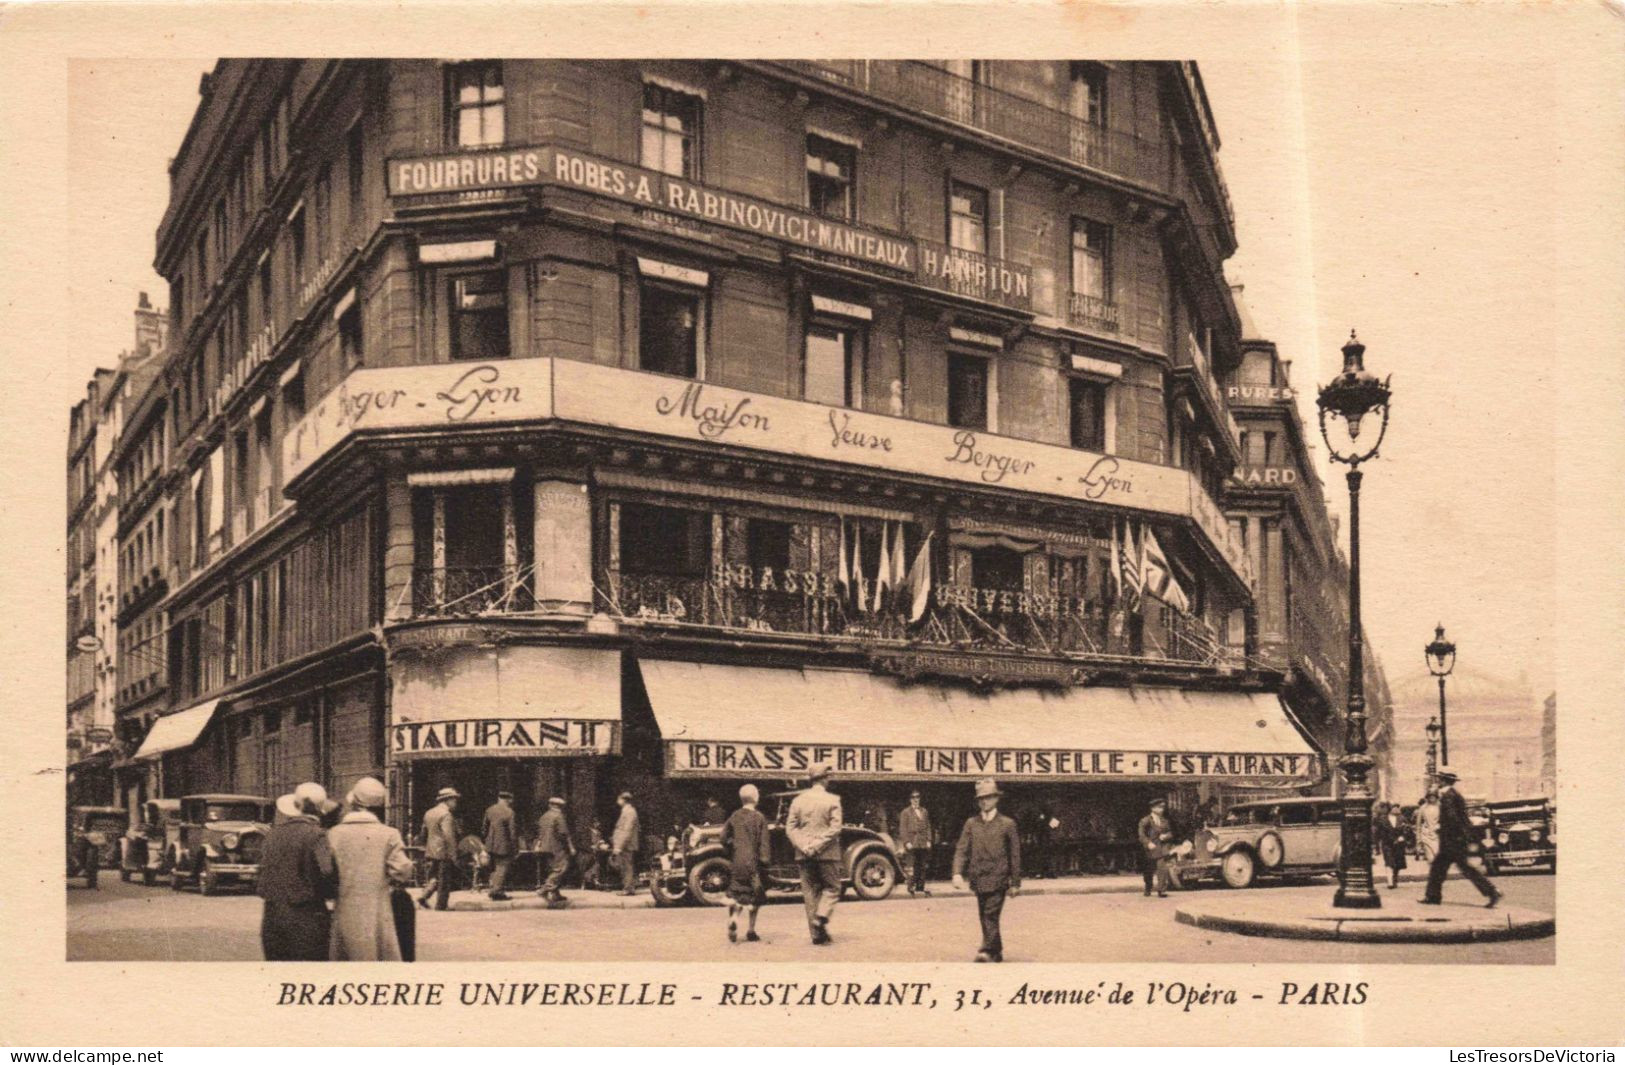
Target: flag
(1175,596)
(919,580)
(1132,577)
(883,579)
(1116,563)
(857,565)
(1155,573)
(842,577)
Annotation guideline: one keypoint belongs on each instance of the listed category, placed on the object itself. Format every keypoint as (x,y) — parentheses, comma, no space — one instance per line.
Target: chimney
(151,328)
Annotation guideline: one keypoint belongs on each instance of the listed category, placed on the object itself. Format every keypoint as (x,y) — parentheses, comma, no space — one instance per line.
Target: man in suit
(1456,844)
(553,840)
(989,858)
(814,829)
(1155,831)
(440,848)
(914,836)
(501,842)
(297,877)
(623,843)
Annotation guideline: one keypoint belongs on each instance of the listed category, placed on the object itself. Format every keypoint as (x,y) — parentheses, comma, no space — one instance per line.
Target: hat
(915,794)
(1446,774)
(288,805)
(368,791)
(986,789)
(504,794)
(1157,802)
(821,771)
(447,793)
(310,794)
(626,796)
(555,801)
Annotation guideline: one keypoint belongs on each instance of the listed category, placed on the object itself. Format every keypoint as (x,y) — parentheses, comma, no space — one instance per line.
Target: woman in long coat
(371,859)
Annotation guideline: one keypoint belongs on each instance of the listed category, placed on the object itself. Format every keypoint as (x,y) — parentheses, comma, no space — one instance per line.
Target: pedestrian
(500,842)
(915,837)
(623,843)
(1390,833)
(1042,859)
(745,837)
(553,840)
(814,828)
(1427,826)
(1456,845)
(713,814)
(1155,832)
(440,848)
(371,858)
(1207,814)
(988,858)
(296,878)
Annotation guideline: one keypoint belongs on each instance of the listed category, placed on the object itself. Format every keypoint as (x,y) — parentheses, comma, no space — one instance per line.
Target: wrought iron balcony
(975,275)
(1093,312)
(471,591)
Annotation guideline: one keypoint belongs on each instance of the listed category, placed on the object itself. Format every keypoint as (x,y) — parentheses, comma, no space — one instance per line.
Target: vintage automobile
(1273,838)
(143,850)
(700,869)
(216,839)
(1519,834)
(92,839)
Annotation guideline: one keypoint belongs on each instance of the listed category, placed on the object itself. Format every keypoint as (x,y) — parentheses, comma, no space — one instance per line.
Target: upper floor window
(350,334)
(221,235)
(664,540)
(476,107)
(967,391)
(265,290)
(671,131)
(671,333)
(1088,96)
(967,217)
(479,315)
(1088,410)
(296,246)
(324,206)
(834,374)
(767,545)
(354,164)
(201,252)
(177,304)
(1091,258)
(831,172)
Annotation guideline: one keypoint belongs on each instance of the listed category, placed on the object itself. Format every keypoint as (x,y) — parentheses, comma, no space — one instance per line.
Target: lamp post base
(1356,897)
(1356,889)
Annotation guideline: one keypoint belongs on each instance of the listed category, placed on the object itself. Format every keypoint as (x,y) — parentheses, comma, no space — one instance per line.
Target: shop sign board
(1266,476)
(502,737)
(1260,395)
(702,758)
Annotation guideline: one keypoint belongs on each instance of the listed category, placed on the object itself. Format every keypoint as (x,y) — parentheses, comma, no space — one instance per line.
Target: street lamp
(1355,404)
(1433,731)
(1441,659)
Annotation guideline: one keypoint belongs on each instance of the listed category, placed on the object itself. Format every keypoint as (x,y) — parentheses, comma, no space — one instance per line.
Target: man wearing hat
(440,848)
(297,877)
(623,843)
(814,828)
(500,841)
(989,858)
(553,839)
(1155,831)
(914,836)
(1456,845)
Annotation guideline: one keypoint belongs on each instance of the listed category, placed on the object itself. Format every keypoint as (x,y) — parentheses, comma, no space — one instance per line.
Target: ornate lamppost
(1433,754)
(1352,406)
(1441,659)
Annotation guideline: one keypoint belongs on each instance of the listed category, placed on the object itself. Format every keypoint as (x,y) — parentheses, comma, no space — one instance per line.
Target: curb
(1518,924)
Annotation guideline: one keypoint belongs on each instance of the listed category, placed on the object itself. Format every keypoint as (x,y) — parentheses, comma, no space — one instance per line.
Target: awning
(746,721)
(505,702)
(174,731)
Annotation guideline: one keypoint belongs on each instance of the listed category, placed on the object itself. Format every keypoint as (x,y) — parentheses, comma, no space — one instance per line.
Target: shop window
(475,105)
(967,217)
(967,391)
(1088,409)
(670,333)
(1091,259)
(350,335)
(479,316)
(834,371)
(767,545)
(664,541)
(831,173)
(671,131)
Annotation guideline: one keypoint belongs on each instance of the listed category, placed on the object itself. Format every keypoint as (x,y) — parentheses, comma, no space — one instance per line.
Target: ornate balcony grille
(471,591)
(1093,312)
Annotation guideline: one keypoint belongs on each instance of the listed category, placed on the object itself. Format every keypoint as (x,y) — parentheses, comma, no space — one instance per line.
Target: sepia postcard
(636,533)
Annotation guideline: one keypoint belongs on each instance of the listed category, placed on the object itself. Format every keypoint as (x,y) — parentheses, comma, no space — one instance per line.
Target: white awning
(509,701)
(172,732)
(747,721)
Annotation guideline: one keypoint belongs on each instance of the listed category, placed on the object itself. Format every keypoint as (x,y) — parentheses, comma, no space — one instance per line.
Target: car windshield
(104,823)
(232,811)
(1250,815)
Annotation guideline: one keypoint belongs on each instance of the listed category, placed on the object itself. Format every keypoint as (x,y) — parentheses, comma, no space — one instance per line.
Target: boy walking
(746,838)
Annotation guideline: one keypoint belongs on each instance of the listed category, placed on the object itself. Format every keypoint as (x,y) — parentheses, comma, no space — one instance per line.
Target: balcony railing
(975,275)
(923,87)
(470,591)
(956,618)
(1093,312)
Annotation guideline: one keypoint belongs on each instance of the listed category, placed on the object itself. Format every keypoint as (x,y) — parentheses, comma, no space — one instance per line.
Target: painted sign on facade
(1266,476)
(700,758)
(500,737)
(1259,395)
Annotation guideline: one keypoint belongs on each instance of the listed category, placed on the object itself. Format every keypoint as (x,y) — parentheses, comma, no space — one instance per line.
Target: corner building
(580,426)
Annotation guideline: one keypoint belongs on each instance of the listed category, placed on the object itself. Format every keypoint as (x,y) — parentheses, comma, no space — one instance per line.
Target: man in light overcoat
(440,848)
(623,843)
(371,859)
(814,828)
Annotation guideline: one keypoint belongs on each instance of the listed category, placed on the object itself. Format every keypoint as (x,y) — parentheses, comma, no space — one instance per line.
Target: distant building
(1495,733)
(1548,746)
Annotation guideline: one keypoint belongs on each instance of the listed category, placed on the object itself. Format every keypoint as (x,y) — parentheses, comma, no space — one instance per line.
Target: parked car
(92,839)
(143,850)
(1519,834)
(1271,838)
(216,840)
(701,870)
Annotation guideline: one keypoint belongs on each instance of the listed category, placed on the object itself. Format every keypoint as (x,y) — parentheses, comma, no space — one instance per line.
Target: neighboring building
(1495,733)
(1548,746)
(574,426)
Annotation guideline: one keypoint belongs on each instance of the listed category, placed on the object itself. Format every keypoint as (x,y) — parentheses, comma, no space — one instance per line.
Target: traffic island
(1402,919)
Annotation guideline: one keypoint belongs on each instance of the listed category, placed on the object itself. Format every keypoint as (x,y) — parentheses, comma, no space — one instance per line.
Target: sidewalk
(1104,884)
(1402,919)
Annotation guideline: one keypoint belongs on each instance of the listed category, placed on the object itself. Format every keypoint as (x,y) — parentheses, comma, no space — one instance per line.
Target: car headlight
(1534,835)
(1210,844)
(1502,838)
(96,838)
(230,841)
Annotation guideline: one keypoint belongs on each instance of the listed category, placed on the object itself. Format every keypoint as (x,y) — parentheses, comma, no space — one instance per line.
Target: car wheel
(208,881)
(708,881)
(874,876)
(668,890)
(1238,869)
(1270,850)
